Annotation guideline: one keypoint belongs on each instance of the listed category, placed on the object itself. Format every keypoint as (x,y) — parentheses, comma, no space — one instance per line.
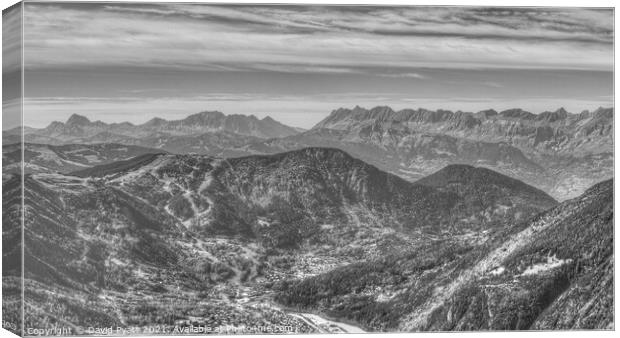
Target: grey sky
(131,62)
(11,67)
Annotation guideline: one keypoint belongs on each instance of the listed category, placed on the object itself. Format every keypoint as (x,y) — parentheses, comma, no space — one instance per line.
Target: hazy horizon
(96,118)
(132,62)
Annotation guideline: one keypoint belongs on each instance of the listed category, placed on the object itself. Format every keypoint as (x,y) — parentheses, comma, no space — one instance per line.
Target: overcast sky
(131,62)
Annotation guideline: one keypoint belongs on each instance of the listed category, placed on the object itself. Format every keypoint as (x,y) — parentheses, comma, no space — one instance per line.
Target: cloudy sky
(130,62)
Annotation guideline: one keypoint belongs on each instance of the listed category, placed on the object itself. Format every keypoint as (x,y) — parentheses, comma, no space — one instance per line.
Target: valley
(312,240)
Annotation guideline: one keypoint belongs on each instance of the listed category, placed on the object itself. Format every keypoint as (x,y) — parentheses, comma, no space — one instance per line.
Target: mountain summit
(77,120)
(561,152)
(79,128)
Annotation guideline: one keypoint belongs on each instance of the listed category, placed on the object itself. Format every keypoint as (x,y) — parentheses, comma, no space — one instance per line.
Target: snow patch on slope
(551,263)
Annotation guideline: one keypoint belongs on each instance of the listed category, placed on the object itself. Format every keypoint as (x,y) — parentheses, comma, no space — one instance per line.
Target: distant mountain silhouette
(560,152)
(80,129)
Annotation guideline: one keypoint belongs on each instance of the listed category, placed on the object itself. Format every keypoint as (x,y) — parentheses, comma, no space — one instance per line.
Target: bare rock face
(560,152)
(548,132)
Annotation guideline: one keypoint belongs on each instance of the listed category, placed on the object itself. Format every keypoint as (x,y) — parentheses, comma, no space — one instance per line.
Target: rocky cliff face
(557,132)
(560,152)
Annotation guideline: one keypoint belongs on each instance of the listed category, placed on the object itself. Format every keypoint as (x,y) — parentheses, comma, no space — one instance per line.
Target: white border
(522,3)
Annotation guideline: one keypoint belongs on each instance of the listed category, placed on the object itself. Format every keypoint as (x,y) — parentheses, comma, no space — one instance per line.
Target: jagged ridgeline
(173,239)
(559,152)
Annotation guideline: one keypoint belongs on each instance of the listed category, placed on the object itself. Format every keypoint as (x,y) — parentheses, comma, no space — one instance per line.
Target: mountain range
(79,129)
(557,132)
(559,152)
(242,240)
